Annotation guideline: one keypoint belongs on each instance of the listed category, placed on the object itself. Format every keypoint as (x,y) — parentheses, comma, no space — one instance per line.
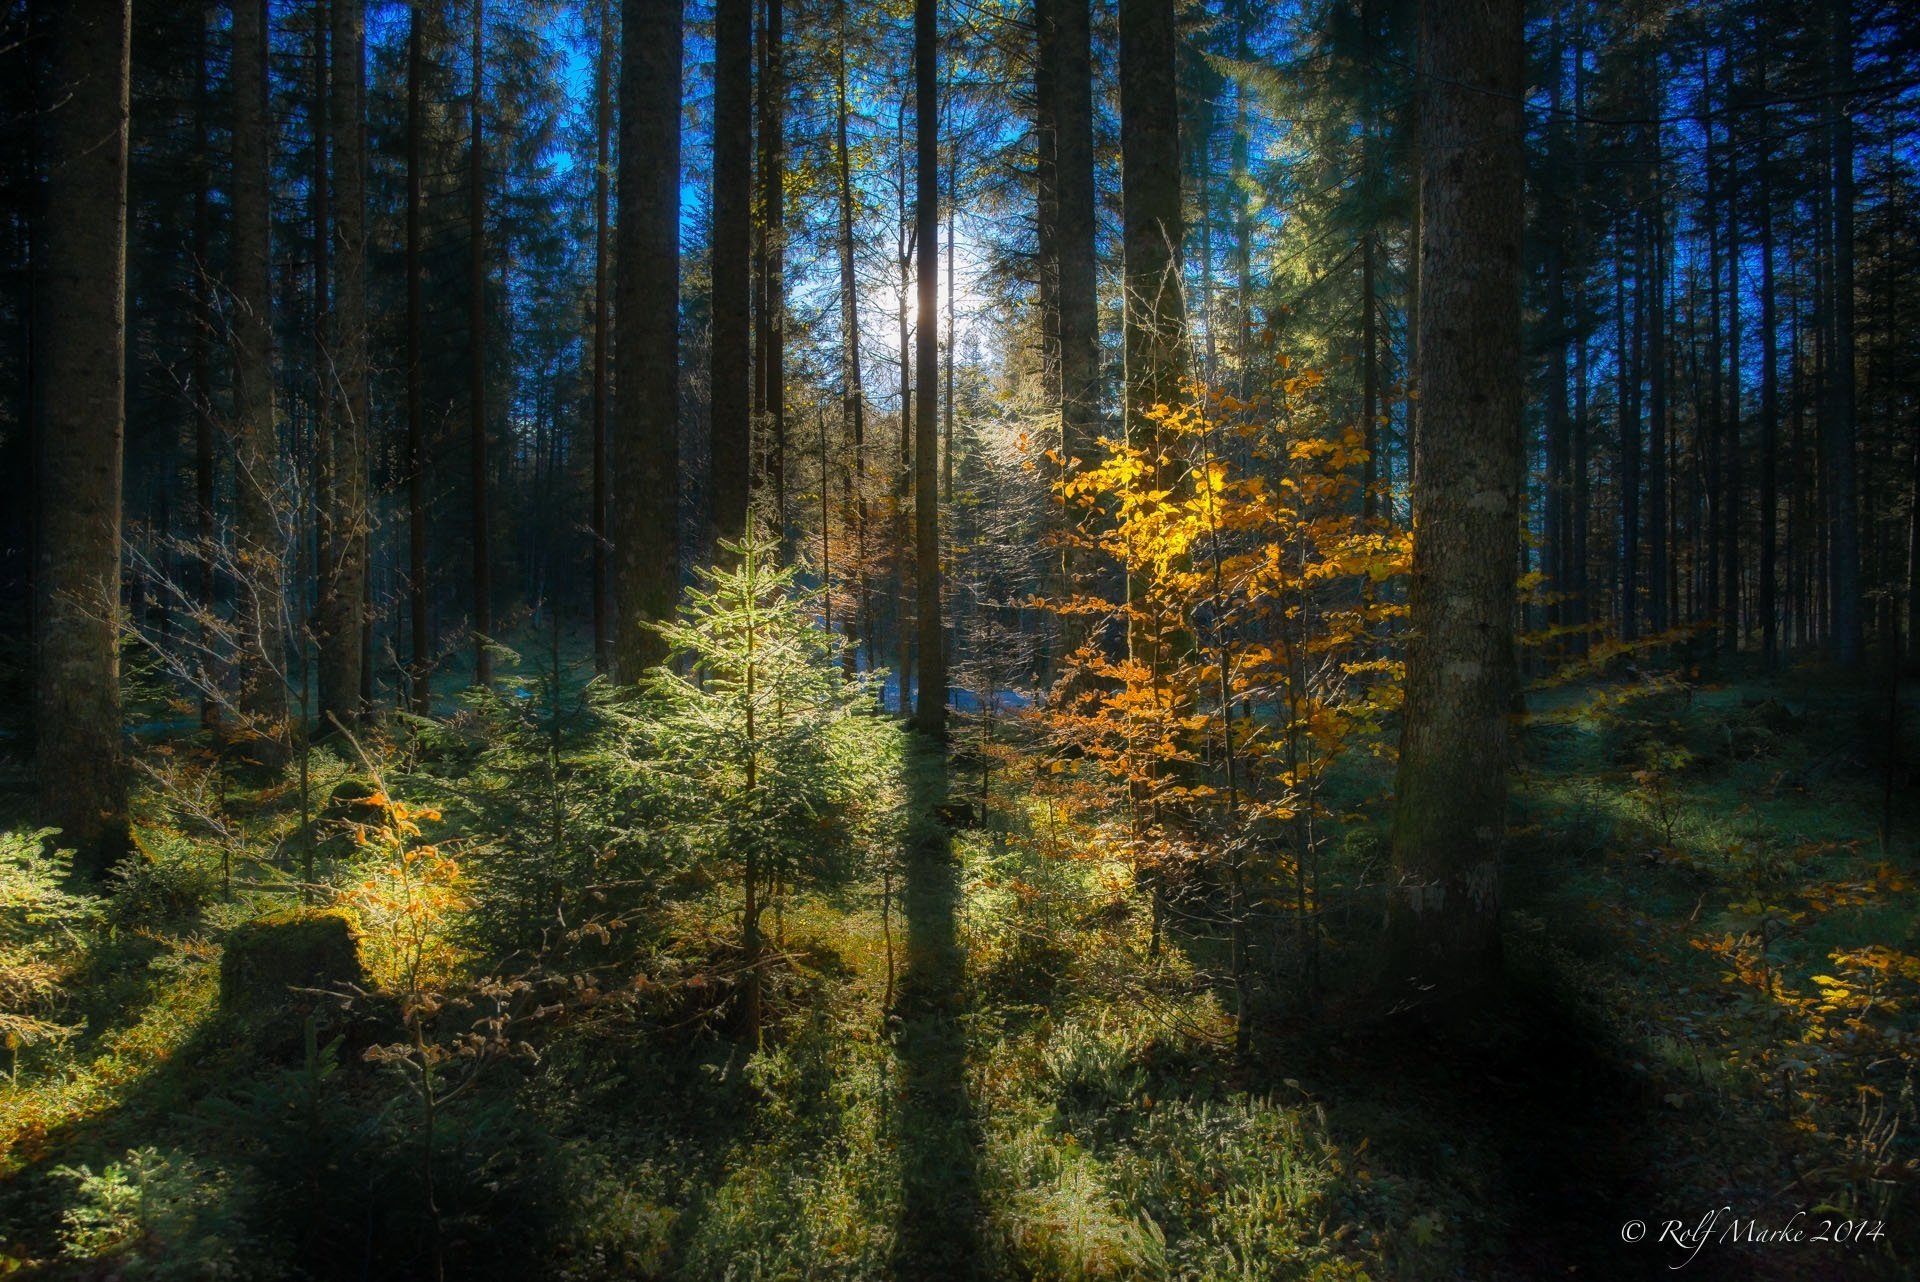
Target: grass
(1043,1100)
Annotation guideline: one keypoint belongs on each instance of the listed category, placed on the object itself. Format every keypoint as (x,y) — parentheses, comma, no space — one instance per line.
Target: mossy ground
(1043,1099)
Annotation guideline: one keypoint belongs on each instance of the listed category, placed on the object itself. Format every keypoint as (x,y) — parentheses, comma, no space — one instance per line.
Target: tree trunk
(477,352)
(853,409)
(1837,432)
(1450,794)
(1150,212)
(729,463)
(1046,188)
(1769,399)
(1077,233)
(260,496)
(646,465)
(420,628)
(602,333)
(930,709)
(79,765)
(343,503)
(770,377)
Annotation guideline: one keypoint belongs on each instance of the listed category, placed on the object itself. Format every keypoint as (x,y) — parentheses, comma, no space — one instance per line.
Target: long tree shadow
(938,1232)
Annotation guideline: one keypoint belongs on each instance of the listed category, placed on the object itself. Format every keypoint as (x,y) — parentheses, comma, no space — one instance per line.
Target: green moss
(297,948)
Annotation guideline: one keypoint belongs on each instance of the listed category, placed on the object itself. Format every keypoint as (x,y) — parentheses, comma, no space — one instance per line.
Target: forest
(1047,640)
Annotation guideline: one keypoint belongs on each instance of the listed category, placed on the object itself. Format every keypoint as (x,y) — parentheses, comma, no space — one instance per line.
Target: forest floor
(978,1065)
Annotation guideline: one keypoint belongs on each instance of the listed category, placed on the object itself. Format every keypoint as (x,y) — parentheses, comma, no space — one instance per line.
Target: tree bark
(1077,232)
(1838,468)
(770,375)
(260,498)
(1450,794)
(343,503)
(646,464)
(602,333)
(420,626)
(930,709)
(729,463)
(853,408)
(477,352)
(79,764)
(1150,212)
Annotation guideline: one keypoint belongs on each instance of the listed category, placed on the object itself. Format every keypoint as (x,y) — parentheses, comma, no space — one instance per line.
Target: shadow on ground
(939,1231)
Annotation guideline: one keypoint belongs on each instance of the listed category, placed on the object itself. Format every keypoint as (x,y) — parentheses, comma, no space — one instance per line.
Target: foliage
(1257,596)
(42,926)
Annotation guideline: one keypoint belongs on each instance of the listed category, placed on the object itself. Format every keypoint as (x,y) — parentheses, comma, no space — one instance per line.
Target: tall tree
(853,409)
(79,766)
(1155,312)
(477,351)
(645,522)
(770,375)
(602,315)
(930,711)
(343,499)
(729,463)
(257,480)
(420,671)
(1076,232)
(1450,793)
(1837,428)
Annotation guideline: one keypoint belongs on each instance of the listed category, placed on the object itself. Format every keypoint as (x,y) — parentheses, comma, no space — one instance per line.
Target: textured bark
(1837,428)
(1150,211)
(79,764)
(602,333)
(645,520)
(1657,549)
(204,310)
(1075,238)
(770,380)
(479,530)
(420,625)
(930,709)
(343,502)
(853,407)
(258,483)
(1450,794)
(1046,189)
(1769,399)
(729,464)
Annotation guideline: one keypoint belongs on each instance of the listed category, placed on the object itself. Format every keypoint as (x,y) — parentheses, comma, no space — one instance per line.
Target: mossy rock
(269,958)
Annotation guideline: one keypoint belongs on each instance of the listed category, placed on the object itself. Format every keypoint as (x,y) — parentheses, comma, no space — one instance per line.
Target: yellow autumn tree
(1234,643)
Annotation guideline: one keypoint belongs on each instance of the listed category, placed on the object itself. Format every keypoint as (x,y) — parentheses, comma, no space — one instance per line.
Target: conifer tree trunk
(1078,266)
(602,333)
(1657,550)
(1838,468)
(930,710)
(258,474)
(1046,187)
(1450,794)
(1769,398)
(420,674)
(853,407)
(79,764)
(343,502)
(477,352)
(1731,483)
(770,376)
(730,464)
(1150,211)
(645,520)
(204,310)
